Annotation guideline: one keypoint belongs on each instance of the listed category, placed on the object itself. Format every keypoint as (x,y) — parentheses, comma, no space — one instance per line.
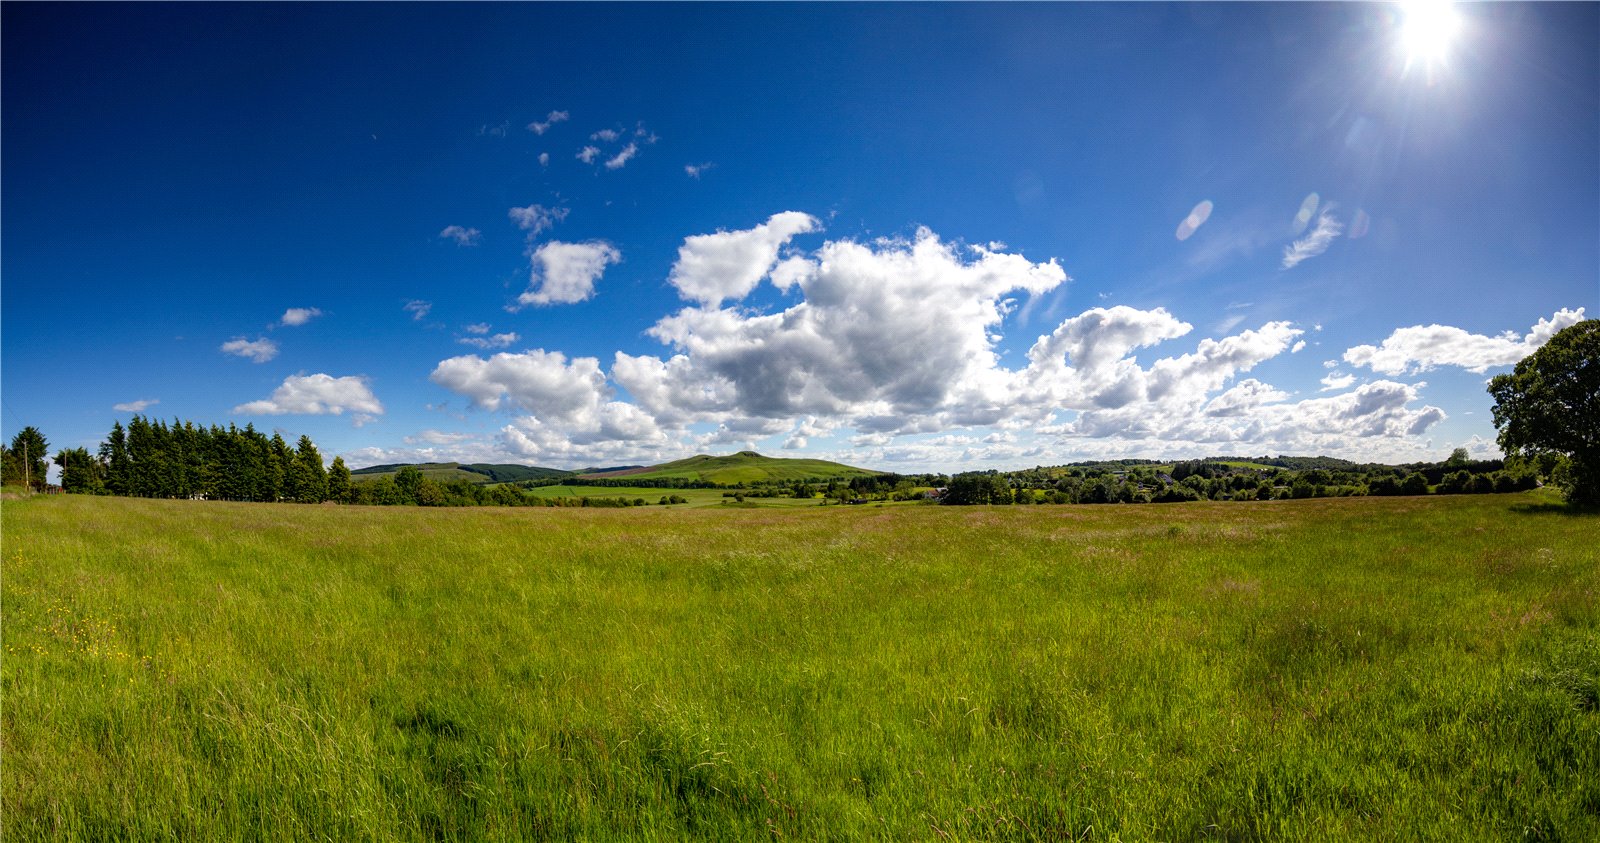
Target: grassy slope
(749,467)
(440,471)
(1321,669)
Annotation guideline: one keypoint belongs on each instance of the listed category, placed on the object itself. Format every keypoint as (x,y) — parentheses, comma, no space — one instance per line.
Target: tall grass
(1321,669)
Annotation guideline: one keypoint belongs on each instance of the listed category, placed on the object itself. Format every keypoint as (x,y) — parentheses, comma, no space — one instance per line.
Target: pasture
(695,497)
(1355,668)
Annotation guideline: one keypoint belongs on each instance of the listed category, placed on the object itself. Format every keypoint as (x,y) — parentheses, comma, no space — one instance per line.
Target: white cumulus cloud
(588,154)
(135,406)
(729,264)
(570,412)
(257,351)
(564,273)
(1420,348)
(299,315)
(317,395)
(1335,381)
(887,331)
(540,382)
(893,346)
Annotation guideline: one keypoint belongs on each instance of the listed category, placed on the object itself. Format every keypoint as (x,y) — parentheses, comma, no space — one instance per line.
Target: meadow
(652,496)
(1351,668)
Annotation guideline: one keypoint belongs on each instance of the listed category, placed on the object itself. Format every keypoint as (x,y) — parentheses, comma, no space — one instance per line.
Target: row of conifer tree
(152,459)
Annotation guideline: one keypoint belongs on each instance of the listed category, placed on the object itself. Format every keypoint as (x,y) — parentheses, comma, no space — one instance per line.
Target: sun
(1427,30)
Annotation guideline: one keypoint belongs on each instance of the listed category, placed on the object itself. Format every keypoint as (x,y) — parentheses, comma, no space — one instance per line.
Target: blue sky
(905,236)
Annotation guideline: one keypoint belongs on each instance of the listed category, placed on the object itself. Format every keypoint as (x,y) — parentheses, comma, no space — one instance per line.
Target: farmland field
(695,497)
(1354,668)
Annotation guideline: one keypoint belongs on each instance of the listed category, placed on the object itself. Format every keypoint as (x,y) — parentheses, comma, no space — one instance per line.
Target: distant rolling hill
(473,472)
(743,467)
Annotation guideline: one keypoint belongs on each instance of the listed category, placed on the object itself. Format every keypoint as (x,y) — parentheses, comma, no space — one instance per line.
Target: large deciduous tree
(81,473)
(1550,403)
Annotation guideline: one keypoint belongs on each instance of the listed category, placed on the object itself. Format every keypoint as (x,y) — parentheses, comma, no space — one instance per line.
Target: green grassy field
(695,497)
(1387,668)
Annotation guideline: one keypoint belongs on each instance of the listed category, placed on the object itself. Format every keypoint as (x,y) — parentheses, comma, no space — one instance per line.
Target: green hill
(743,467)
(472,472)
(504,473)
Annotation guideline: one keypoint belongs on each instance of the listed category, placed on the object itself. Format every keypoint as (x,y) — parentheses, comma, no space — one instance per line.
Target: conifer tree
(339,481)
(114,454)
(32,454)
(278,459)
(142,458)
(314,479)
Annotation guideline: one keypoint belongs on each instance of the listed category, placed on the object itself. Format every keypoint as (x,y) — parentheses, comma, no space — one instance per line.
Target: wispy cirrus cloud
(418,309)
(461,235)
(135,406)
(1314,243)
(536,218)
(539,127)
(618,161)
(487,342)
(438,437)
(695,171)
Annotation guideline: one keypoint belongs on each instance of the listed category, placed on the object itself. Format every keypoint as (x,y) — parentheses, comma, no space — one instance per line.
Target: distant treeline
(410,487)
(1246,479)
(155,459)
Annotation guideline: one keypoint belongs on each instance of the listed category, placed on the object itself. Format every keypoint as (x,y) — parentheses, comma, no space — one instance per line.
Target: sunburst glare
(1428,29)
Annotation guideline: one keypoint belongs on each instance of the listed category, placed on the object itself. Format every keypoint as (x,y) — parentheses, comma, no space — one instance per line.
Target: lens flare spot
(1308,209)
(1196,218)
(1359,225)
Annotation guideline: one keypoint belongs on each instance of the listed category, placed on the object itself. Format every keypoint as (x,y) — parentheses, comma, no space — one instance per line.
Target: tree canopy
(1550,403)
(28,458)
